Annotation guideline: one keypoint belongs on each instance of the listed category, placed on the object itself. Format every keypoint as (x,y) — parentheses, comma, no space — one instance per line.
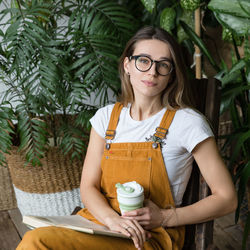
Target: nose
(152,70)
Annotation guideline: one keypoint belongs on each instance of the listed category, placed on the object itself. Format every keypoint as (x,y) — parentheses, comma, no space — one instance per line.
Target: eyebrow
(161,58)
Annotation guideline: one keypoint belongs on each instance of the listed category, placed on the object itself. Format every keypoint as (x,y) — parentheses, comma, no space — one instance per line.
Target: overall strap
(162,130)
(113,121)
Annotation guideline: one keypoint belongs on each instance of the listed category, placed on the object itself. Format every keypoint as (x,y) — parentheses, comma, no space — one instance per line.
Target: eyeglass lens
(144,63)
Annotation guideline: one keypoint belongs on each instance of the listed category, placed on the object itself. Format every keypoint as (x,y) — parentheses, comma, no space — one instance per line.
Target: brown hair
(177,93)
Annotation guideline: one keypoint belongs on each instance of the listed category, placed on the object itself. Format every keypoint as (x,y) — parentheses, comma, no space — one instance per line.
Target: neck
(143,109)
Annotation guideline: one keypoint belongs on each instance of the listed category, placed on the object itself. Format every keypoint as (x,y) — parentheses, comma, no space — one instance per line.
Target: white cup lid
(129,189)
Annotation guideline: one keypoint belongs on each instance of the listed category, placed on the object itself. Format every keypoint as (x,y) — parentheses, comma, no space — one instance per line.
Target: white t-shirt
(187,129)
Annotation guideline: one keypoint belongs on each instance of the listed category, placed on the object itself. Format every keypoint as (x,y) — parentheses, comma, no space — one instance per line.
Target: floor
(227,235)
(11,229)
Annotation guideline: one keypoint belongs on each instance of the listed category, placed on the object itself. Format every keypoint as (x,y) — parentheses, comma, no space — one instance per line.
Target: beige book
(75,222)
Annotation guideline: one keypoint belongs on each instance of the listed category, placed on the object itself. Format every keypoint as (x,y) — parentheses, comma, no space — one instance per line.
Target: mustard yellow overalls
(121,162)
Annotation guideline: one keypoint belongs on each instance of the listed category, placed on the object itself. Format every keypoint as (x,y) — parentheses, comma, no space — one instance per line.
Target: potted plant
(55,58)
(234,18)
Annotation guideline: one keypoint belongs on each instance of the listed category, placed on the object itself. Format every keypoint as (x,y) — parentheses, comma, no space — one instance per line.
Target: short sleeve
(195,130)
(101,119)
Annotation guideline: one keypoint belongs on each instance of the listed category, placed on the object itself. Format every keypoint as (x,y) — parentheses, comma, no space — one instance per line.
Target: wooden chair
(206,94)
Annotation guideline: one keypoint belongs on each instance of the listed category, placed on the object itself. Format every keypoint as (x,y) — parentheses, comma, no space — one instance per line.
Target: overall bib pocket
(125,169)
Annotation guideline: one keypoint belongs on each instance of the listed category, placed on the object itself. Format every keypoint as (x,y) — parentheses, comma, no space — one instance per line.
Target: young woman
(152,137)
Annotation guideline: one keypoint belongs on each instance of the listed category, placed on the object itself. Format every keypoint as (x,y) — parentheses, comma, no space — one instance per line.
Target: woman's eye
(143,60)
(164,65)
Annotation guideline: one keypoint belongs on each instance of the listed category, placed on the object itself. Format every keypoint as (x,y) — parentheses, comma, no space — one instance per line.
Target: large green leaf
(237,66)
(242,138)
(232,7)
(227,78)
(234,72)
(239,25)
(149,4)
(167,19)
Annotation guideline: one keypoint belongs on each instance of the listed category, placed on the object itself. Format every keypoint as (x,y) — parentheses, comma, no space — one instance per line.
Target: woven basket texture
(57,173)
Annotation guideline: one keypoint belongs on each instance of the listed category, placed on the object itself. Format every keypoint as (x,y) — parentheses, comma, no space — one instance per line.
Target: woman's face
(148,84)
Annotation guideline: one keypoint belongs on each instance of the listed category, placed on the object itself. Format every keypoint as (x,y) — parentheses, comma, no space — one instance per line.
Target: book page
(75,222)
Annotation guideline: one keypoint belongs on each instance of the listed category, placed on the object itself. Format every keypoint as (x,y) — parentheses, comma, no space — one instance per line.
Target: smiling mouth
(149,83)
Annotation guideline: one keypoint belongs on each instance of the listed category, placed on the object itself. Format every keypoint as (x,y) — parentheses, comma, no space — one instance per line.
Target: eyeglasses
(144,63)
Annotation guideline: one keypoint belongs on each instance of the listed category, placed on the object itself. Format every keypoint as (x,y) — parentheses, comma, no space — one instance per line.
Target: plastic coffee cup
(130,196)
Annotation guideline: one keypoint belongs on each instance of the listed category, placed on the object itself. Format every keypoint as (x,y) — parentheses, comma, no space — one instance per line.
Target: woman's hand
(130,228)
(149,217)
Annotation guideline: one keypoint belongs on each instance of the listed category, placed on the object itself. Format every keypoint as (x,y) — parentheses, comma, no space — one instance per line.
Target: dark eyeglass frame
(152,61)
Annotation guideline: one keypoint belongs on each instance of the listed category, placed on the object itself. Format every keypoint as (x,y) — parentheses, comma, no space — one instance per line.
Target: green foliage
(190,4)
(238,8)
(149,4)
(234,18)
(53,57)
(188,19)
(167,20)
(6,128)
(235,15)
(199,42)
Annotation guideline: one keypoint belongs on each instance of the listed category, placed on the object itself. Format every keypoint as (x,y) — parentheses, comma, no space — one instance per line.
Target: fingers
(137,233)
(130,228)
(149,216)
(143,216)
(124,231)
(141,231)
(136,212)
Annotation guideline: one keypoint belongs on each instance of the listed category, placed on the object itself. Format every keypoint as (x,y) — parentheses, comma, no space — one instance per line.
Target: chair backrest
(206,93)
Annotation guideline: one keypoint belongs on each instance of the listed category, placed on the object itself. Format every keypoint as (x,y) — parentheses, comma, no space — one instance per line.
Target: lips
(149,83)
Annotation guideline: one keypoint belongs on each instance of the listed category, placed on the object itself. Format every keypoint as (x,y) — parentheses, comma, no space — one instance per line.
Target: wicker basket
(47,190)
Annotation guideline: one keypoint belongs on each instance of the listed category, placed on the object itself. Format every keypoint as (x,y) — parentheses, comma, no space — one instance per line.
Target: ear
(126,65)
